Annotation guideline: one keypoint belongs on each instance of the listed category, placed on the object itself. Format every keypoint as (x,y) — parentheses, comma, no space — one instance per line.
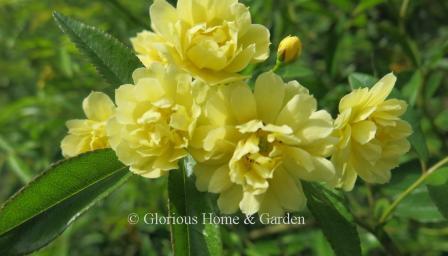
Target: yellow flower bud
(289,49)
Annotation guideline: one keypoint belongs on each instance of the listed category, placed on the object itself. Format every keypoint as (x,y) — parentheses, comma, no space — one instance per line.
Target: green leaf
(438,178)
(294,71)
(359,80)
(441,121)
(45,207)
(185,200)
(418,206)
(437,185)
(412,88)
(417,138)
(334,44)
(402,177)
(113,60)
(334,218)
(366,4)
(14,162)
(345,5)
(433,84)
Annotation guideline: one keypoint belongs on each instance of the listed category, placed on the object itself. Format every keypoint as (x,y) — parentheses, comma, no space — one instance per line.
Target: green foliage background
(43,79)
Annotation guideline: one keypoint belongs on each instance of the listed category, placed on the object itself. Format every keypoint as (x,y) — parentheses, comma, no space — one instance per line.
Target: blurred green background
(43,79)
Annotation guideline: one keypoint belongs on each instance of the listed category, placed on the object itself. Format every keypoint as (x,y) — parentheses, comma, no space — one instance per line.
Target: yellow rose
(89,134)
(211,39)
(372,135)
(253,148)
(153,121)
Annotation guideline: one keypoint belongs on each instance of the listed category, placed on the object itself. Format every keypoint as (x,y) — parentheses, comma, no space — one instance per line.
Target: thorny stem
(411,188)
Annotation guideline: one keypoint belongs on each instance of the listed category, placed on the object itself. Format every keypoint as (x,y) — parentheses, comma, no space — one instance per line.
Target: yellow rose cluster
(252,147)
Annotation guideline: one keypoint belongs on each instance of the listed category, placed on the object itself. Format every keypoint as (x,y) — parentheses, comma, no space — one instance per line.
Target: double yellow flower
(211,39)
(372,137)
(253,148)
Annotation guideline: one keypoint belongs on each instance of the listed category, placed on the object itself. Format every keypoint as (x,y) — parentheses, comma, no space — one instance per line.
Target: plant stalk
(278,63)
(411,188)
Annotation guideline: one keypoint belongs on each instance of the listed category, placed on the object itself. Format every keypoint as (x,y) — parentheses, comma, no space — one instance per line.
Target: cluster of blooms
(252,147)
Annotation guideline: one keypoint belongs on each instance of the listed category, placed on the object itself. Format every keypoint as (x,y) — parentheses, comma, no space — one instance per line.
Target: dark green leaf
(437,185)
(113,60)
(334,218)
(417,138)
(185,200)
(366,4)
(402,177)
(39,212)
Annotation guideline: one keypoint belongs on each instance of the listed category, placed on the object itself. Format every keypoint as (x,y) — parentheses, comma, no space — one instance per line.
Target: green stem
(411,188)
(386,241)
(278,63)
(403,8)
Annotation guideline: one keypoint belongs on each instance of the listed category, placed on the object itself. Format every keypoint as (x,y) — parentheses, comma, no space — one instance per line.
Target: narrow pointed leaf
(195,239)
(334,219)
(45,207)
(113,60)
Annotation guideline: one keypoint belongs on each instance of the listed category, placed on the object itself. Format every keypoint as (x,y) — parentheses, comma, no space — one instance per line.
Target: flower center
(156,127)
(264,145)
(256,156)
(210,47)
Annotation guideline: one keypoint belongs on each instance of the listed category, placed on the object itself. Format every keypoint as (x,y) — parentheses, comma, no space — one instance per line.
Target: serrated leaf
(45,207)
(334,218)
(185,200)
(113,60)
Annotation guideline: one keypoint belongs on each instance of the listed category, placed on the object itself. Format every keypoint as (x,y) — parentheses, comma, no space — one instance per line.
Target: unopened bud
(289,49)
